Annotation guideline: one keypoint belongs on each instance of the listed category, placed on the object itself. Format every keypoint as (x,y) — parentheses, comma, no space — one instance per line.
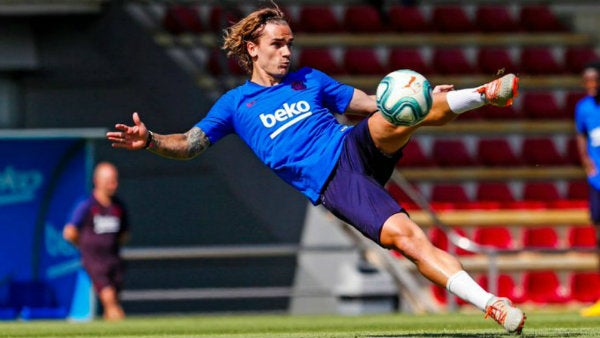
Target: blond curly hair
(249,29)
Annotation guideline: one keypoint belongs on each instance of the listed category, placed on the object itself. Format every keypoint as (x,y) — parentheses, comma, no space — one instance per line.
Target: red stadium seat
(363,61)
(490,112)
(219,64)
(223,17)
(451,61)
(540,191)
(541,151)
(539,61)
(541,105)
(182,19)
(571,100)
(573,157)
(578,190)
(362,19)
(506,287)
(540,238)
(496,153)
(451,193)
(408,19)
(498,237)
(495,19)
(540,18)
(494,191)
(582,237)
(452,153)
(526,205)
(321,59)
(576,58)
(493,59)
(584,286)
(407,58)
(318,19)
(451,19)
(543,287)
(414,156)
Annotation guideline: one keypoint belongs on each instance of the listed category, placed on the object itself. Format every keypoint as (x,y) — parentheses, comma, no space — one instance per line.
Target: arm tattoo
(181,146)
(197,142)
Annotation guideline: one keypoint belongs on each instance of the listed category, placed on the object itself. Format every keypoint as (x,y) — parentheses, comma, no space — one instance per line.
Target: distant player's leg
(400,233)
(107,278)
(110,303)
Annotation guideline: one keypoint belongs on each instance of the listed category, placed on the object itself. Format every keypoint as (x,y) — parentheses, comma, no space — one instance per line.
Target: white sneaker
(502,311)
(502,91)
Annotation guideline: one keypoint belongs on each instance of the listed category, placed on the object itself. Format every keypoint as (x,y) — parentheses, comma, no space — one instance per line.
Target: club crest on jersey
(288,114)
(298,85)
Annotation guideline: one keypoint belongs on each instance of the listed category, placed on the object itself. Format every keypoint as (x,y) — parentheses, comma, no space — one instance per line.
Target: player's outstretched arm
(177,146)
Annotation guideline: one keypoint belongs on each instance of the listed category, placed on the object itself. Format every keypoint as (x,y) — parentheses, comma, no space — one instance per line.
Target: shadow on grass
(439,335)
(477,335)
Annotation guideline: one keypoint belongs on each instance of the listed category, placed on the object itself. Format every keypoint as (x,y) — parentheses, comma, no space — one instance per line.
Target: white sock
(463,286)
(464,100)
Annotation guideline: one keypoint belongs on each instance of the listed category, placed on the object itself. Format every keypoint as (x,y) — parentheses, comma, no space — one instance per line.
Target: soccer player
(98,227)
(287,119)
(587,124)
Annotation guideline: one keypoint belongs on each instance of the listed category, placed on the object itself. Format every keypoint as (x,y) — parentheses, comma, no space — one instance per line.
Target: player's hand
(442,89)
(129,137)
(590,168)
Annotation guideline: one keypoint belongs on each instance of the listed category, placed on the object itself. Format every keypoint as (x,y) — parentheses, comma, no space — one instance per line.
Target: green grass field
(539,324)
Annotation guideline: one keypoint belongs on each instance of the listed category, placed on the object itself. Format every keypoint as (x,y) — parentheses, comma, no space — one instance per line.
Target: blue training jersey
(587,122)
(290,126)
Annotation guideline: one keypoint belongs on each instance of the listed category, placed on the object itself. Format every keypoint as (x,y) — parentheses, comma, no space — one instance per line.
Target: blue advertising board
(40,182)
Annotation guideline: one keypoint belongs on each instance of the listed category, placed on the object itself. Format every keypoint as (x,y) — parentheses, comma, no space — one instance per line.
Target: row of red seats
(539,287)
(534,105)
(449,60)
(501,237)
(443,18)
(491,152)
(499,195)
(368,19)
(444,61)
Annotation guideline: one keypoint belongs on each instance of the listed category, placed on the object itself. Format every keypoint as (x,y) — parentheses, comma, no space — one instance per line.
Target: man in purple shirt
(99,227)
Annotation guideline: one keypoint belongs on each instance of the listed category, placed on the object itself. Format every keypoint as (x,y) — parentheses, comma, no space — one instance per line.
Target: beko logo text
(288,113)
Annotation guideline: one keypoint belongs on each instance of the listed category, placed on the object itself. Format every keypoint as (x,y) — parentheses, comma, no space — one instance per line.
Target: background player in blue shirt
(98,227)
(287,119)
(587,124)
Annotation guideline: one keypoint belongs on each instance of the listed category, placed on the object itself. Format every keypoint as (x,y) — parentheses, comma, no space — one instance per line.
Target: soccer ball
(404,97)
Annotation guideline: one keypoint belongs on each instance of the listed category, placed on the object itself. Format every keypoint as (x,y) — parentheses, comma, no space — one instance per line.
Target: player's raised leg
(447,105)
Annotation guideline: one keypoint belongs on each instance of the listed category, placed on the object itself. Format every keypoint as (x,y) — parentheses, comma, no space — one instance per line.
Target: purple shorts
(105,273)
(355,191)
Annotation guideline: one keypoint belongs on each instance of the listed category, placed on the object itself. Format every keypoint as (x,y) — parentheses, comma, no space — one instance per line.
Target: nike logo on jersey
(298,85)
(250,104)
(288,113)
